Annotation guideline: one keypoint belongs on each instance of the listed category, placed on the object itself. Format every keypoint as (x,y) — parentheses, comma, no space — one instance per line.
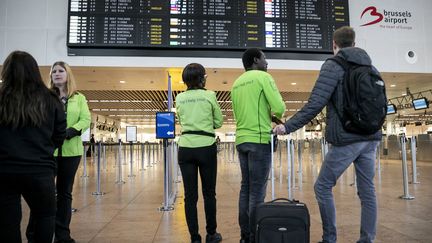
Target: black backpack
(364,98)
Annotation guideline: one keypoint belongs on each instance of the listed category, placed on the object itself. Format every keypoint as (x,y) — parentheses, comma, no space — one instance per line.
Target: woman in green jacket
(69,154)
(199,115)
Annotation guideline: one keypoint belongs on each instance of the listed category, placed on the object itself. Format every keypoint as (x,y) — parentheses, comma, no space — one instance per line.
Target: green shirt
(198,110)
(77,116)
(255,98)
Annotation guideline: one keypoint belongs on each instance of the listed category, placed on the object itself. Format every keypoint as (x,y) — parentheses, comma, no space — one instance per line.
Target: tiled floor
(129,212)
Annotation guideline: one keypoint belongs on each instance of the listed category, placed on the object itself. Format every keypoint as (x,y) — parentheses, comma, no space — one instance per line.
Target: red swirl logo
(374,13)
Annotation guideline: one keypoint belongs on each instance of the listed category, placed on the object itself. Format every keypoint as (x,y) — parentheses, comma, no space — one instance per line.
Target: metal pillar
(98,191)
(414,160)
(406,194)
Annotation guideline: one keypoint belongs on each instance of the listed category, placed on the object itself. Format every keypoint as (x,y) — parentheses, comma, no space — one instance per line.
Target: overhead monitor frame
(420,103)
(391,109)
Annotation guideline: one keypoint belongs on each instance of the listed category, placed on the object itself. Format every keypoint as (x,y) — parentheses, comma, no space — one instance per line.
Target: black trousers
(39,193)
(66,170)
(204,160)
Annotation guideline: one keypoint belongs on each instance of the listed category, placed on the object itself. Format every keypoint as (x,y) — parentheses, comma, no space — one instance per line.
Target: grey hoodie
(328,91)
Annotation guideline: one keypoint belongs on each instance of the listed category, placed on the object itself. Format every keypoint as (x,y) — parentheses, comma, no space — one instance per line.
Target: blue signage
(165,125)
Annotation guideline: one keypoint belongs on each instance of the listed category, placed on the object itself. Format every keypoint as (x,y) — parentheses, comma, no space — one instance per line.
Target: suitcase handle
(284,199)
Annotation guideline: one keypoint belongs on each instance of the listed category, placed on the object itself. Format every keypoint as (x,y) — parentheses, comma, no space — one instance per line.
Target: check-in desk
(424,147)
(393,147)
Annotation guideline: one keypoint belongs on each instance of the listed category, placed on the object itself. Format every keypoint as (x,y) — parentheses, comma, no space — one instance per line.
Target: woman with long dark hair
(199,115)
(69,154)
(32,125)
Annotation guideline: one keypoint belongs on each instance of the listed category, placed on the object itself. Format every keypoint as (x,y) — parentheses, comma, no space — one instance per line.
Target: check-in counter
(393,147)
(424,147)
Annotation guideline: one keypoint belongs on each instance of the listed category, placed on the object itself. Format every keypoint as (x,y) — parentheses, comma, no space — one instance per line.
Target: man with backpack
(354,94)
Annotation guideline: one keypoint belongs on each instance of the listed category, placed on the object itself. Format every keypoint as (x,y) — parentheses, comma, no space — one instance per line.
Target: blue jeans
(337,160)
(255,162)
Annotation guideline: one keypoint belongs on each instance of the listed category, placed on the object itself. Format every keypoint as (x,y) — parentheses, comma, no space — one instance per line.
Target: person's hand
(72,132)
(279,129)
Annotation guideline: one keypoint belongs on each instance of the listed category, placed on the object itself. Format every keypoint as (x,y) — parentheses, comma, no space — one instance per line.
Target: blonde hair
(70,79)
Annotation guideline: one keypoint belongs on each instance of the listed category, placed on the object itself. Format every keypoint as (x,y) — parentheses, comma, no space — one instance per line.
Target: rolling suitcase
(282,221)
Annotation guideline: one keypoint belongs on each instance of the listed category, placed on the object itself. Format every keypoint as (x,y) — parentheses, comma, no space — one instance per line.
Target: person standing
(199,115)
(91,148)
(346,147)
(69,154)
(32,125)
(255,98)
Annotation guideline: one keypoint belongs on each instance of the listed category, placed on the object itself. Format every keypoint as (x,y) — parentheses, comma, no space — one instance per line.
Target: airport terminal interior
(128,204)
(130,192)
(135,206)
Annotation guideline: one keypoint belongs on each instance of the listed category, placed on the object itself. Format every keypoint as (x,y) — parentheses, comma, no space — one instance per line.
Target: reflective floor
(129,212)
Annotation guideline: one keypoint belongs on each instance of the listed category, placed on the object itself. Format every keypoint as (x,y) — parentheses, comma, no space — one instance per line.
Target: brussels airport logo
(372,11)
(385,18)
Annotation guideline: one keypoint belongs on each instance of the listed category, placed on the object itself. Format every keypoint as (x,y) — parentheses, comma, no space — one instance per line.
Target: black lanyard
(64,100)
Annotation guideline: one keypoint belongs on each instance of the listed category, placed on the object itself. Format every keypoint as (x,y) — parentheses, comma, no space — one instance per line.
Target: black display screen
(274,25)
(420,104)
(391,109)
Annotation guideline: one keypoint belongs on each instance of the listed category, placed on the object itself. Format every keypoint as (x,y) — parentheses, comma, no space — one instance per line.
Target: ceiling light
(293,83)
(393,85)
(1,81)
(122,81)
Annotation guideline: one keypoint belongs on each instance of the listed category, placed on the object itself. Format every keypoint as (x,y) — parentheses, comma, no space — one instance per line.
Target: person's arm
(273,96)
(321,93)
(177,111)
(59,132)
(217,113)
(84,116)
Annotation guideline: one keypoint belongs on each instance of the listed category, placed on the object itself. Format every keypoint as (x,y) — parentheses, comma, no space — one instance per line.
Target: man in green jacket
(255,98)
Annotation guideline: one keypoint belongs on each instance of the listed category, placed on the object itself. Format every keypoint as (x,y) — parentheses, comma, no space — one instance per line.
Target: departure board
(273,25)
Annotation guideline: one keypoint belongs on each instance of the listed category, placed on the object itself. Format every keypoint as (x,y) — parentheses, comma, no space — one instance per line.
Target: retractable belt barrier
(406,194)
(98,191)
(414,160)
(131,174)
(84,175)
(119,179)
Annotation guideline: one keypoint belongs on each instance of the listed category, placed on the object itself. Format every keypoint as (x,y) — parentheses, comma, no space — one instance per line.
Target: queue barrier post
(98,191)
(406,194)
(119,165)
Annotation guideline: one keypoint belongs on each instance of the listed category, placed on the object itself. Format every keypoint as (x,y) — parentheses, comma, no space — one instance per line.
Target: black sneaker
(65,241)
(214,238)
(244,239)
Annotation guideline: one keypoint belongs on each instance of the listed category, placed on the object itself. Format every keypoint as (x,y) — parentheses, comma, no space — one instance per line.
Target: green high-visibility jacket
(198,110)
(255,98)
(77,116)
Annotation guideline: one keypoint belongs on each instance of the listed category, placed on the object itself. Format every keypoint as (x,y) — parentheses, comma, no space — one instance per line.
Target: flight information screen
(279,25)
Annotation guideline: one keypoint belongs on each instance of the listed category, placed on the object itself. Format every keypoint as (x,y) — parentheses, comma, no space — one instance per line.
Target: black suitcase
(282,221)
